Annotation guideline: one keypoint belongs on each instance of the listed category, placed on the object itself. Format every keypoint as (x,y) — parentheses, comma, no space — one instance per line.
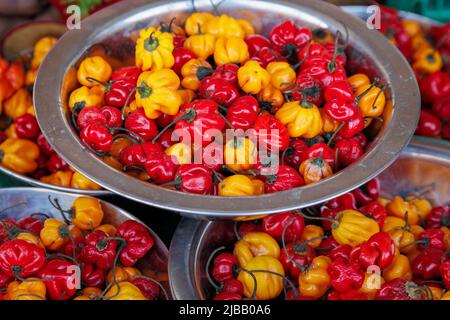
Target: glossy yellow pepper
(109,229)
(252,77)
(372,100)
(301,118)
(329,124)
(412,28)
(258,186)
(310,232)
(18,104)
(11,131)
(358,80)
(196,22)
(202,45)
(31,238)
(93,67)
(240,154)
(123,274)
(224,26)
(398,207)
(59,178)
(19,155)
(268,285)
(230,50)
(446,296)
(422,206)
(193,71)
(371,284)
(87,213)
(399,268)
(30,289)
(427,60)
(235,186)
(89,293)
(124,291)
(181,152)
(401,233)
(246,26)
(255,244)
(271,98)
(86,97)
(280,74)
(54,234)
(187,95)
(41,49)
(79,181)
(419,43)
(353,228)
(154,50)
(315,281)
(158,93)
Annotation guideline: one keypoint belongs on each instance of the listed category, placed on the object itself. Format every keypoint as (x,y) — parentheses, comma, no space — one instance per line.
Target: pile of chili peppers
(358,246)
(428,51)
(290,91)
(80,258)
(23,147)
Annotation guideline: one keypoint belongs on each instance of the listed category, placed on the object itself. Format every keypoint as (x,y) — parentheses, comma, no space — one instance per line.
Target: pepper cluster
(287,97)
(364,247)
(428,51)
(78,258)
(23,147)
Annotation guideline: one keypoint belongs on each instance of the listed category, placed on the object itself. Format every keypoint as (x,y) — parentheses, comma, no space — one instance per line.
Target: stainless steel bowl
(423,167)
(369,51)
(17,203)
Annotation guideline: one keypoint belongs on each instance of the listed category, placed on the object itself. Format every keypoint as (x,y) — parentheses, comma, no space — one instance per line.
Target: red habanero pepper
(345,202)
(332,249)
(138,122)
(223,296)
(288,37)
(444,268)
(139,154)
(340,110)
(138,242)
(445,132)
(161,168)
(431,238)
(429,125)
(271,133)
(345,276)
(326,212)
(441,109)
(349,295)
(31,224)
(296,257)
(426,264)
(27,127)
(112,115)
(340,90)
(286,178)
(130,73)
(248,227)
(19,258)
(233,286)
(148,287)
(275,224)
(352,126)
(227,72)
(92,276)
(97,136)
(438,217)
(73,249)
(44,146)
(400,289)
(348,151)
(375,211)
(309,89)
(294,154)
(117,92)
(166,139)
(58,278)
(218,90)
(4,279)
(194,178)
(243,112)
(435,86)
(181,56)
(223,267)
(89,115)
(255,42)
(56,163)
(320,150)
(267,55)
(378,250)
(99,250)
(324,71)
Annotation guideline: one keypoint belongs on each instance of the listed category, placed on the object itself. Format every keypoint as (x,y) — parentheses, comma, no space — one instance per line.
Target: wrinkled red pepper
(275,224)
(378,250)
(138,242)
(19,258)
(223,267)
(243,112)
(92,276)
(296,257)
(345,276)
(59,279)
(99,250)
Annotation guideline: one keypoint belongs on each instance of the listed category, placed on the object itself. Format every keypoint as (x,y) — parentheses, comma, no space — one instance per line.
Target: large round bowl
(17,203)
(423,167)
(368,52)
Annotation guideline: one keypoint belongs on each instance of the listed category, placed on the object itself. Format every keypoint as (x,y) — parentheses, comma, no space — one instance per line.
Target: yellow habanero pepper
(235,186)
(230,50)
(252,77)
(371,100)
(268,285)
(358,80)
(124,291)
(280,74)
(419,43)
(87,213)
(123,274)
(86,97)
(93,67)
(187,95)
(193,71)
(154,50)
(224,26)
(400,233)
(31,238)
(423,206)
(255,244)
(353,228)
(54,234)
(446,237)
(246,26)
(315,169)
(400,208)
(109,229)
(59,178)
(19,155)
(371,284)
(89,293)
(79,181)
(29,289)
(158,93)
(202,45)
(301,118)
(18,104)
(30,77)
(315,281)
(427,60)
(329,124)
(41,48)
(11,131)
(313,234)
(240,154)
(181,152)
(436,292)
(196,22)
(271,98)
(446,296)
(258,185)
(412,28)
(399,268)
